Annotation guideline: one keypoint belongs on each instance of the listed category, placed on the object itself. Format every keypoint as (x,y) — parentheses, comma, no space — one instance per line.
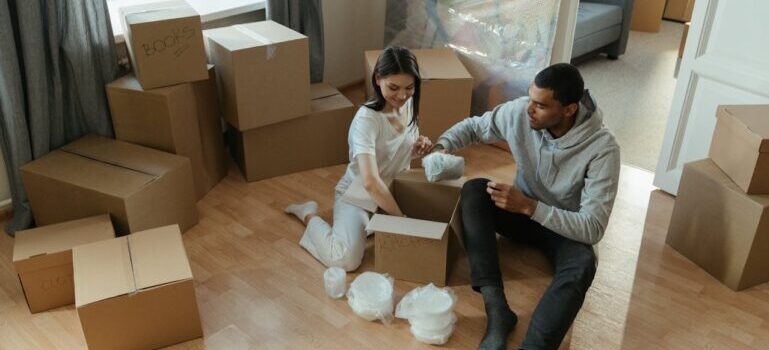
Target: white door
(726,61)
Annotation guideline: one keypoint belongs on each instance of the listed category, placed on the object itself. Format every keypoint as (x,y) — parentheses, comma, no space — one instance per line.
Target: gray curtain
(304,16)
(55,57)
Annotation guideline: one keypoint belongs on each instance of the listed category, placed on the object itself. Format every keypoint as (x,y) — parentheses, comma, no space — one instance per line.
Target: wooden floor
(257,288)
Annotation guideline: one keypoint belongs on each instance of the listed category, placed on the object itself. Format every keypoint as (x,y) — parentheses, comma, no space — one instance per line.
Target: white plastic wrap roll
(335,281)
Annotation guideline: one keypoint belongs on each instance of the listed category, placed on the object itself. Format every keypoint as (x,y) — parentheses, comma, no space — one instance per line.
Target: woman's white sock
(302,210)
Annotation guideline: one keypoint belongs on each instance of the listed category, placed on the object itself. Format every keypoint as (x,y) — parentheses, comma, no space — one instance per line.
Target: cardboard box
(422,246)
(647,15)
(182,119)
(446,92)
(740,146)
(720,228)
(263,73)
(682,46)
(679,10)
(43,259)
(165,42)
(136,292)
(316,140)
(138,186)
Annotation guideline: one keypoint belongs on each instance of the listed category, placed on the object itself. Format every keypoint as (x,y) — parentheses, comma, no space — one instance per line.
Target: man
(568,168)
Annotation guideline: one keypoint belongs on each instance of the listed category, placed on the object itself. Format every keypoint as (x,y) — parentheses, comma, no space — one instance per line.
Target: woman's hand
(422,147)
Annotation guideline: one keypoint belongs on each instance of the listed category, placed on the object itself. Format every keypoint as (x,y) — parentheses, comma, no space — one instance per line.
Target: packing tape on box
(130,269)
(141,12)
(271,47)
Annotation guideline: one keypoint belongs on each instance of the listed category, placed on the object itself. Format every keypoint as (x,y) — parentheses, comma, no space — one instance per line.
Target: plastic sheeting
(503,43)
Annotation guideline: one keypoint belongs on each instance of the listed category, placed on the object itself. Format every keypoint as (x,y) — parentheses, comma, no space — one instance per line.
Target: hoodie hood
(589,121)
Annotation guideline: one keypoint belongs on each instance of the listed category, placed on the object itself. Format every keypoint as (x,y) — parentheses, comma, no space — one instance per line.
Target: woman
(383,139)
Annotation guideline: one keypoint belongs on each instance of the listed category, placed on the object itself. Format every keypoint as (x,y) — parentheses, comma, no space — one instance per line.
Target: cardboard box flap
(418,175)
(60,237)
(158,257)
(102,271)
(158,11)
(126,155)
(322,90)
(440,64)
(250,35)
(89,174)
(407,226)
(753,119)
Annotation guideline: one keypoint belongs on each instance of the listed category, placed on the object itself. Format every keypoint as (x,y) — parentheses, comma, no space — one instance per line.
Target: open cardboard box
(422,246)
(42,257)
(136,291)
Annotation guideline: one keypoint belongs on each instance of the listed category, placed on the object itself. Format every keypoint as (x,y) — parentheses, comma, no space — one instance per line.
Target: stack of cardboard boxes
(133,291)
(136,290)
(169,102)
(721,216)
(278,123)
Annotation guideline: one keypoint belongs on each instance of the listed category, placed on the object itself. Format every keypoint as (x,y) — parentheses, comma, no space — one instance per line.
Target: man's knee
(586,269)
(474,189)
(580,271)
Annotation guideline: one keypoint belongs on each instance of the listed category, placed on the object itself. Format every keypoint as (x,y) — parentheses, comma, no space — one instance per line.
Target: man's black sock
(500,319)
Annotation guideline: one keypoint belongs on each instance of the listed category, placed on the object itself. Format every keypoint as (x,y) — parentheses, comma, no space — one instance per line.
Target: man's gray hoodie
(574,177)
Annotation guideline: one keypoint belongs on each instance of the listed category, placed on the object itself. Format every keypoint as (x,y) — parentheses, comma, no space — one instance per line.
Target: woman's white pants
(342,244)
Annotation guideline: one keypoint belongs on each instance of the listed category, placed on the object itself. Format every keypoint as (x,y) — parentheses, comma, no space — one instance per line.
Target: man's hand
(511,199)
(438,148)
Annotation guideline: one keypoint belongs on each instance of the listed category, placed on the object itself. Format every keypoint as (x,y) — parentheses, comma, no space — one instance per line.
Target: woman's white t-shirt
(372,133)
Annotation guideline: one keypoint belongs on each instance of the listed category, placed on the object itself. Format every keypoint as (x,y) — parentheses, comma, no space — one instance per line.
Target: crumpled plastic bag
(430,311)
(442,166)
(371,295)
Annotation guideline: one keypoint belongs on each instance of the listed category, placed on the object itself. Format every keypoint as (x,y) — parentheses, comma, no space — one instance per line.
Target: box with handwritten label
(42,257)
(165,42)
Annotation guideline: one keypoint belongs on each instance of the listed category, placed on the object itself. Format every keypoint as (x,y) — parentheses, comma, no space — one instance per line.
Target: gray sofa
(603,26)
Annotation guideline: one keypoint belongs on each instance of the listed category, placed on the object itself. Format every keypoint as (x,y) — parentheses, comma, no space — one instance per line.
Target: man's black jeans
(573,262)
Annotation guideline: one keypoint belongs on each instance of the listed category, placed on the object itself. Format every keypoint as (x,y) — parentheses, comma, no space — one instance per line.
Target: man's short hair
(564,80)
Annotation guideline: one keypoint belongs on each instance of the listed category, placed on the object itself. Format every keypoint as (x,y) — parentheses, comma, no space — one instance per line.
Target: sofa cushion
(593,18)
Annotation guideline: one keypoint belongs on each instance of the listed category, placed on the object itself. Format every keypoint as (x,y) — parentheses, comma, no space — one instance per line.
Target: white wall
(349,28)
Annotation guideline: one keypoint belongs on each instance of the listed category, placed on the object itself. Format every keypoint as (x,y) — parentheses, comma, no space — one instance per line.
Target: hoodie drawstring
(539,156)
(552,162)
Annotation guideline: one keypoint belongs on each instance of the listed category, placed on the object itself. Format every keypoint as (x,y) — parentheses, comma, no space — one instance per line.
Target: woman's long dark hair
(396,60)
